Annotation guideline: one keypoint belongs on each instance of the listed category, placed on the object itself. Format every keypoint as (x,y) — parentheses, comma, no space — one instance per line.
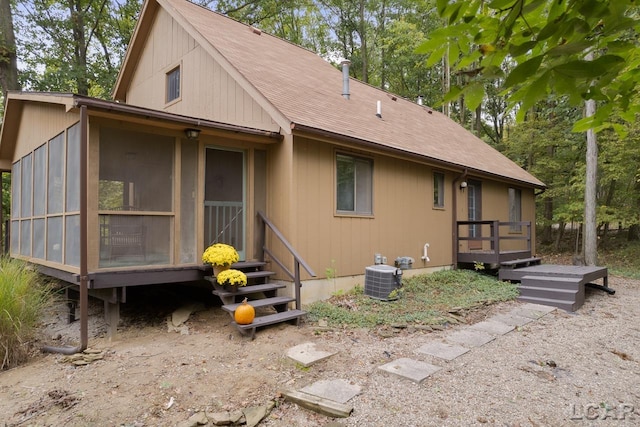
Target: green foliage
(549,42)
(23,296)
(424,299)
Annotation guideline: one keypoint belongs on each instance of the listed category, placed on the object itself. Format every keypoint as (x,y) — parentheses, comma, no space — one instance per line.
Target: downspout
(454,217)
(84,276)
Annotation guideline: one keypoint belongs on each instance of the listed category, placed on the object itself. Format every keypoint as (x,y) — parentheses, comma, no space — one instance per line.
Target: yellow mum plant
(220,254)
(232,277)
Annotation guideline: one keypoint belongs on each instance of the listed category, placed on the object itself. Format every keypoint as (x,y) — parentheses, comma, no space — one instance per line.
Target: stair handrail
(297,259)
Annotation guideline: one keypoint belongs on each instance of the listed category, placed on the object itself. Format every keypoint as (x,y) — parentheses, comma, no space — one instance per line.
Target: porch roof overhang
(115,110)
(303,130)
(170,120)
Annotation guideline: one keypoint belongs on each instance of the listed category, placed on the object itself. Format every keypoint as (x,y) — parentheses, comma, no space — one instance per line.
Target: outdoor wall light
(463,185)
(192,133)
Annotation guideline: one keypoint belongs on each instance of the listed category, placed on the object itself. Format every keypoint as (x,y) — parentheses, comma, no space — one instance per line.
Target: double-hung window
(354,179)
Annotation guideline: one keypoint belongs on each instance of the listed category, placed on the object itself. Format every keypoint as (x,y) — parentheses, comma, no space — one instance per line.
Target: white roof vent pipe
(345,78)
(420,99)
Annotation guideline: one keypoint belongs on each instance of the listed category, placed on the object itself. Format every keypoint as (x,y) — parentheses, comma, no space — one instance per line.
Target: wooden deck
(561,286)
(492,242)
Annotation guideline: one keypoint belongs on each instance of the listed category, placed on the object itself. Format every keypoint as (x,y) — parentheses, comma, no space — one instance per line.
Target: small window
(173,84)
(354,192)
(515,210)
(438,190)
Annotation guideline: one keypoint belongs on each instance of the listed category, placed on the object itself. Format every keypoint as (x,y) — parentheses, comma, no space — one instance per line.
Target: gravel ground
(565,369)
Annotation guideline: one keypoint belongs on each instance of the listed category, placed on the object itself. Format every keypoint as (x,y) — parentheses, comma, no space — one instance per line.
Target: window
(438,190)
(173,84)
(354,185)
(515,209)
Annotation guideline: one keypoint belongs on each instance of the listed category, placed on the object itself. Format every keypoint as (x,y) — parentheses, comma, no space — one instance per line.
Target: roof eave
(297,127)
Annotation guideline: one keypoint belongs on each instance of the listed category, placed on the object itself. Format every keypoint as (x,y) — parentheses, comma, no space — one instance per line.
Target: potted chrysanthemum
(220,256)
(231,279)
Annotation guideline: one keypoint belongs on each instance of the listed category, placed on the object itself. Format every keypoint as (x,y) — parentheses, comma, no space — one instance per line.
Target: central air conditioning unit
(381,280)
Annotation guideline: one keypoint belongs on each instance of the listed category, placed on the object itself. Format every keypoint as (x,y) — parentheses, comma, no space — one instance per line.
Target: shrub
(23,296)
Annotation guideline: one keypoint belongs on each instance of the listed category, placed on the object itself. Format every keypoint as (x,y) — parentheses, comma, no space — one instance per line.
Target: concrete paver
(492,327)
(306,354)
(410,369)
(470,338)
(337,390)
(443,350)
(511,319)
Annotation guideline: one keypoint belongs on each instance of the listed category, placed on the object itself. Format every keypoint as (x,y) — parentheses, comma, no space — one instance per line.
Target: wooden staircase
(566,293)
(561,286)
(261,294)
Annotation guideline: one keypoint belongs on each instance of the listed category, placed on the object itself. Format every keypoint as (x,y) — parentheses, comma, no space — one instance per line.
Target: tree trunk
(79,46)
(363,46)
(8,57)
(590,232)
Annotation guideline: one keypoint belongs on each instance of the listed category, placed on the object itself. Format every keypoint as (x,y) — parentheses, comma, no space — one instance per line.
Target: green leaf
(453,94)
(517,50)
(473,95)
(523,71)
(569,48)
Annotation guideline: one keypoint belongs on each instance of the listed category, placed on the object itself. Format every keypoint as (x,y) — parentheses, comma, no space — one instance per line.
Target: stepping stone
(540,307)
(340,391)
(443,350)
(533,311)
(492,327)
(306,354)
(511,319)
(410,369)
(470,338)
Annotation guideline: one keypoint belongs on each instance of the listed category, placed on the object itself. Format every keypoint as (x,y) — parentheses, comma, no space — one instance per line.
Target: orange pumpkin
(244,314)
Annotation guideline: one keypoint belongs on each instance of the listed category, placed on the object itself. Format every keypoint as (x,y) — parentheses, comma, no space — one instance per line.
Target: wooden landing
(561,286)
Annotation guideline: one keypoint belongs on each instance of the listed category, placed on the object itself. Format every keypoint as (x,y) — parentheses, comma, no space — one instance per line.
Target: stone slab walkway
(457,343)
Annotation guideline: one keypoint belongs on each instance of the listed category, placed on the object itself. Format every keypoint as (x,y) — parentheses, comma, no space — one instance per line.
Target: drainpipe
(345,78)
(454,216)
(84,276)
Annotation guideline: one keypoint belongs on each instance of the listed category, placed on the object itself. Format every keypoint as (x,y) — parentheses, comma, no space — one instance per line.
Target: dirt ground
(565,369)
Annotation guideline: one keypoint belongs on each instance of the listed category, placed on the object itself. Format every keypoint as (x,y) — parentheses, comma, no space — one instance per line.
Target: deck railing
(297,259)
(491,247)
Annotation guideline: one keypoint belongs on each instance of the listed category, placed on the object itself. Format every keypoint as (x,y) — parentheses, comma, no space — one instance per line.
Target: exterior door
(224,199)
(474,203)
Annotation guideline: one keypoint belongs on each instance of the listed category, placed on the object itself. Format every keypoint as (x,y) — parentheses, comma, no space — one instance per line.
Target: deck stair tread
(249,289)
(258,274)
(565,305)
(520,261)
(272,319)
(559,291)
(264,302)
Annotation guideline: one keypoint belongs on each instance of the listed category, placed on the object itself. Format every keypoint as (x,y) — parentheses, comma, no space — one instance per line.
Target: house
(217,129)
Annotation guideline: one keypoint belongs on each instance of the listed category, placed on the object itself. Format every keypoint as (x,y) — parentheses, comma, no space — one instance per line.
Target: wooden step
(258,274)
(250,289)
(567,306)
(248,265)
(570,295)
(264,302)
(522,262)
(270,319)
(552,282)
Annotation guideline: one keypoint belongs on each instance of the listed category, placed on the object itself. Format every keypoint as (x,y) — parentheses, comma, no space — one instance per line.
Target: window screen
(438,190)
(515,209)
(354,191)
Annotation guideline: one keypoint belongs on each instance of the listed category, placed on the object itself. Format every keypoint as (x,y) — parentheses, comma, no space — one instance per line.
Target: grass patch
(623,260)
(424,299)
(23,296)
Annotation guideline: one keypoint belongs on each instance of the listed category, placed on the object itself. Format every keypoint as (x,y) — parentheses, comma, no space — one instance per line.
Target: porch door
(474,203)
(224,198)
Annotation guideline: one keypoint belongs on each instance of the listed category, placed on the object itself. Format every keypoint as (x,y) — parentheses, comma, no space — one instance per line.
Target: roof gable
(299,88)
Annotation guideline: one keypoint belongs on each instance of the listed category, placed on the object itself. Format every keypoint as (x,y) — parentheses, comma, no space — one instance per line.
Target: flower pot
(231,288)
(217,269)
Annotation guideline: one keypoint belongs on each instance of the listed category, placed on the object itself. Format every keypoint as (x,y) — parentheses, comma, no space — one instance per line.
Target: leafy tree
(585,50)
(75,45)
